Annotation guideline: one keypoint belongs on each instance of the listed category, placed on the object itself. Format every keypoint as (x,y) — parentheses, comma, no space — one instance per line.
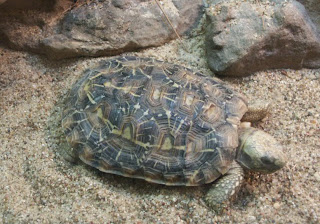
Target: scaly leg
(224,188)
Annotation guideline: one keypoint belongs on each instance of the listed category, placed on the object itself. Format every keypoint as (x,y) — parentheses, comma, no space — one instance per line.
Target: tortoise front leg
(224,188)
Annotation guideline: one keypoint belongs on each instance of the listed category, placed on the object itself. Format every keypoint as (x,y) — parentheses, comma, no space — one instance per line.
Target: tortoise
(166,124)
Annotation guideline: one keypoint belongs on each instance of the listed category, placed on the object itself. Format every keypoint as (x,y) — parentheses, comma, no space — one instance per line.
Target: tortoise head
(259,151)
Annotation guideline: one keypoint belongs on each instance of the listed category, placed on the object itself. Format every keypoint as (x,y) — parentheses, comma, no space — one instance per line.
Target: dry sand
(38,186)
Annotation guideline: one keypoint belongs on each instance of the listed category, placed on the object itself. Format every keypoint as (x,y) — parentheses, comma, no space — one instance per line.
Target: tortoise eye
(267,160)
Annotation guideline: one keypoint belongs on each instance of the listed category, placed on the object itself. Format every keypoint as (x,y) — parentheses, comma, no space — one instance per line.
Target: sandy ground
(38,186)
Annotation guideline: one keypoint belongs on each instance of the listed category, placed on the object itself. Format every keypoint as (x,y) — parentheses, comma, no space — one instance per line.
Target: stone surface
(313,8)
(244,37)
(24,24)
(100,28)
(112,27)
(26,4)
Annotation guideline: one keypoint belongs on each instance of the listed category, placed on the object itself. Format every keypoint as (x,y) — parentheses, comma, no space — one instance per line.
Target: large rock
(104,27)
(112,27)
(24,24)
(313,8)
(243,37)
(26,4)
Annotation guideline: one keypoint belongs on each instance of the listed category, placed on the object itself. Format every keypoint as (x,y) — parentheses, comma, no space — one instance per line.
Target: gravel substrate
(38,186)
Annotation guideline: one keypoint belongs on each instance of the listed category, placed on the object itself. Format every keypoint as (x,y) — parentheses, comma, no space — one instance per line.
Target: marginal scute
(147,119)
(236,106)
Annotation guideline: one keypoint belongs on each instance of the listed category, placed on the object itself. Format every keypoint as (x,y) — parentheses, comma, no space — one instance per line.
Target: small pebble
(252,218)
(277,205)
(245,125)
(317,176)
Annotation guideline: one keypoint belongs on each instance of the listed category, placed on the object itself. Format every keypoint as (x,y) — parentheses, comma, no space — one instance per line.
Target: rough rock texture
(313,8)
(26,4)
(24,24)
(96,28)
(116,26)
(244,37)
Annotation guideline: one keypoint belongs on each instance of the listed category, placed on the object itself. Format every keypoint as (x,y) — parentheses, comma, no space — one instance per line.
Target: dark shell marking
(143,118)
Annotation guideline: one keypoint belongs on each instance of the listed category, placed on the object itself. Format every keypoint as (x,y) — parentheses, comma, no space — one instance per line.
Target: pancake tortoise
(161,122)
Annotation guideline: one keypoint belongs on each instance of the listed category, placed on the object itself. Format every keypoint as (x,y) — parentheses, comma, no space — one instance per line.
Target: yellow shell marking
(169,98)
(176,85)
(167,144)
(207,150)
(86,88)
(108,71)
(180,124)
(168,113)
(189,100)
(106,121)
(181,147)
(125,89)
(127,133)
(156,94)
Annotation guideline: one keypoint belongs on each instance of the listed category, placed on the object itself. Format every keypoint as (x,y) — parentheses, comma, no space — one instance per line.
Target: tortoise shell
(147,119)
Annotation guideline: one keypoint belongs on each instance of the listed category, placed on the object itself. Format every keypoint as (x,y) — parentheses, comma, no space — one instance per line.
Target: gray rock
(113,27)
(243,37)
(97,28)
(23,24)
(313,8)
(26,4)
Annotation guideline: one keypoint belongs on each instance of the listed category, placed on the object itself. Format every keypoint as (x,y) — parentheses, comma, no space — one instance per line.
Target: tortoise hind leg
(222,190)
